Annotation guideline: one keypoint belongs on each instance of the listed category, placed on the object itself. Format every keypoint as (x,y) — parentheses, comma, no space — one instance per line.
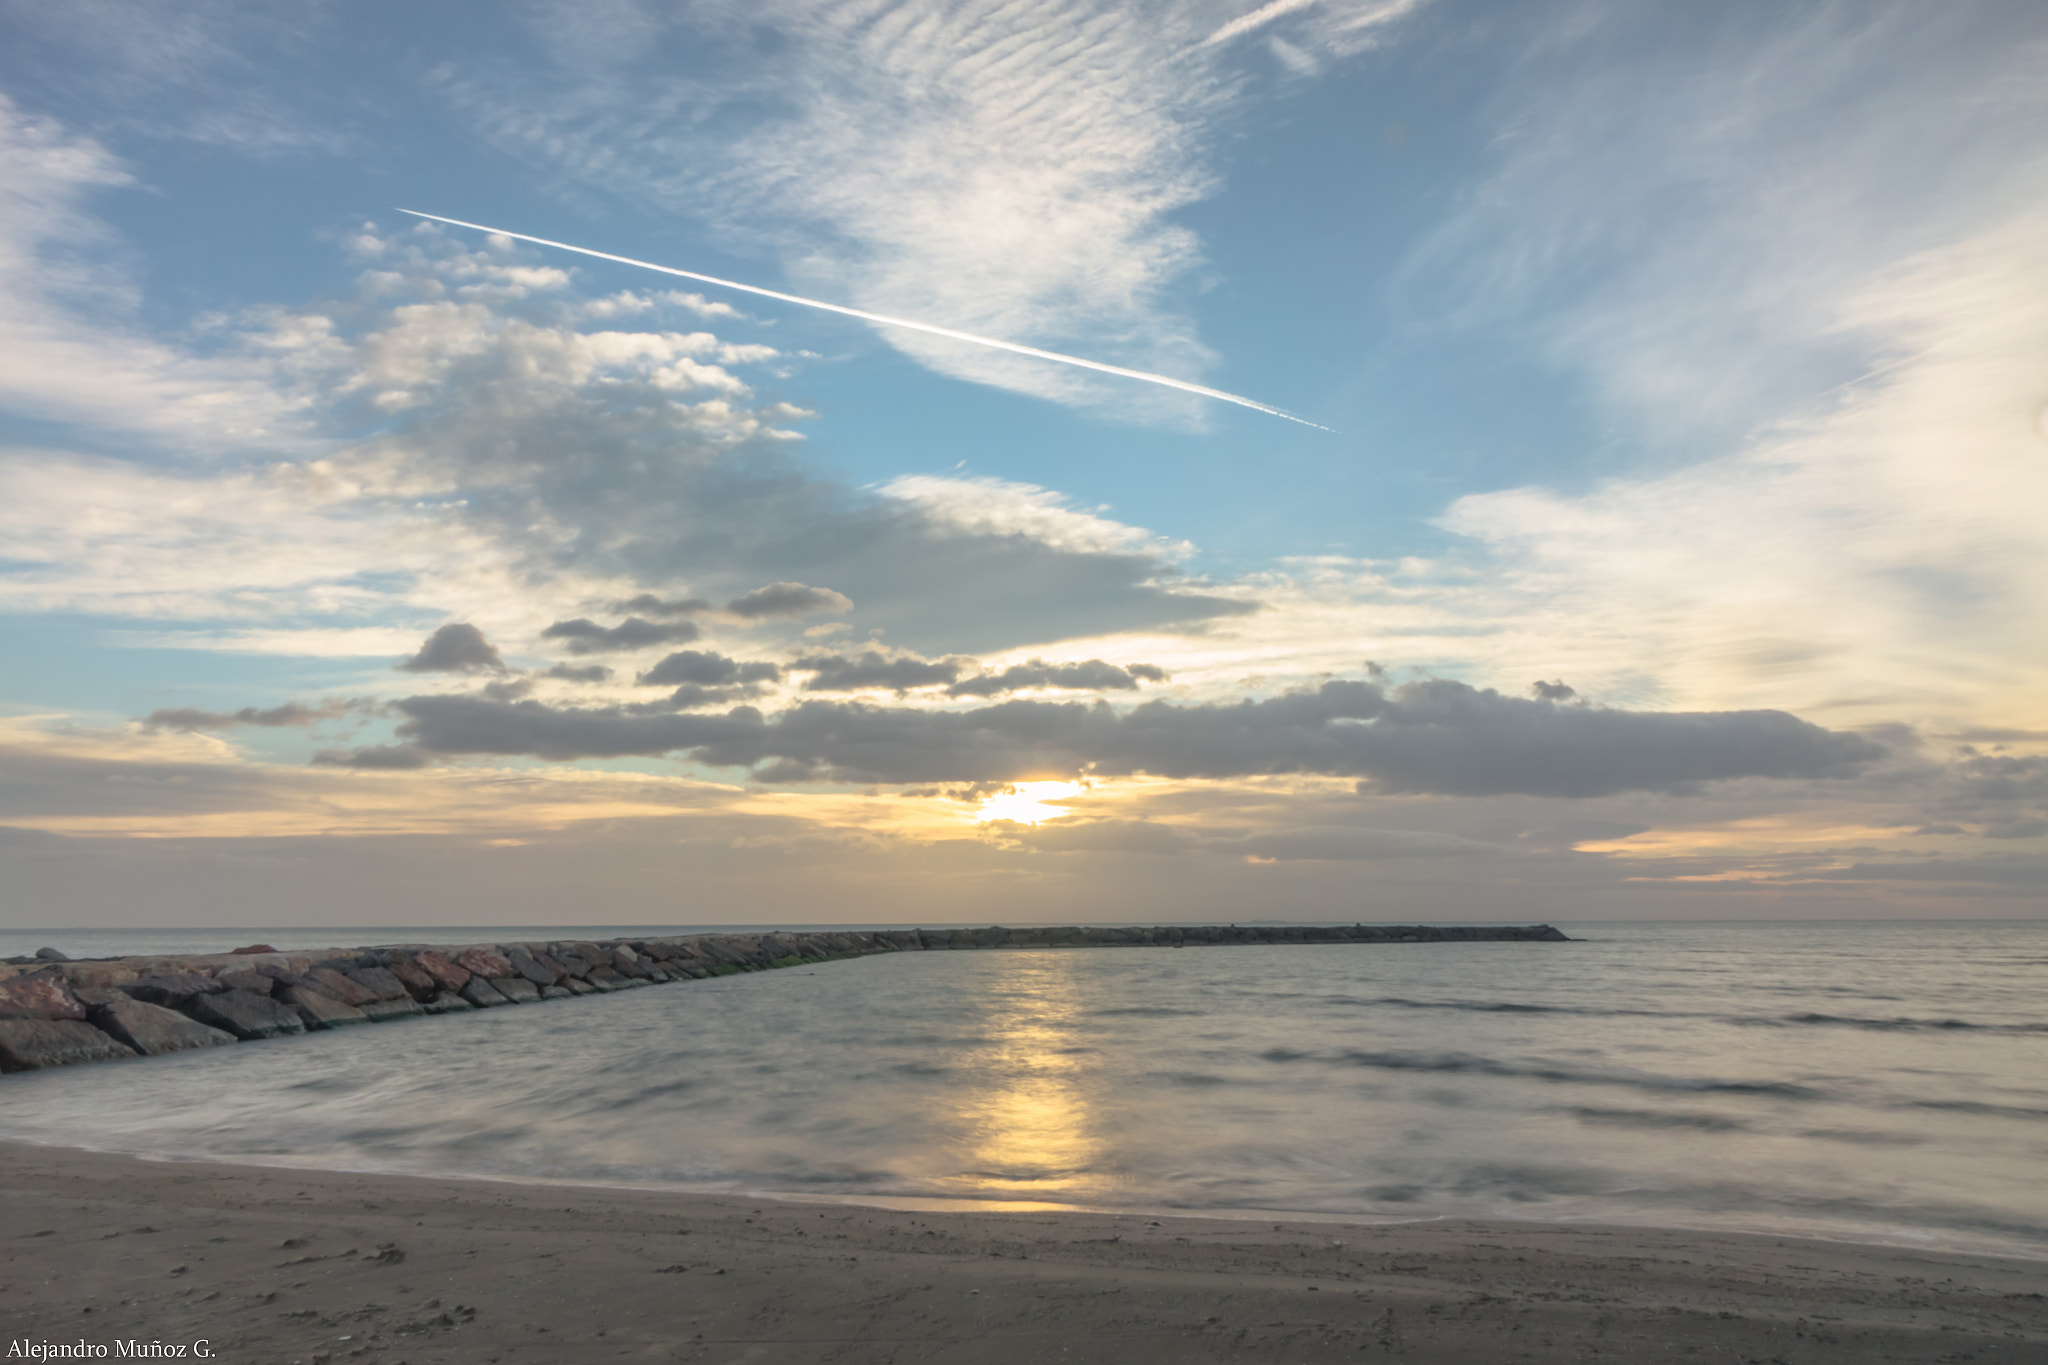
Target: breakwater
(58,1012)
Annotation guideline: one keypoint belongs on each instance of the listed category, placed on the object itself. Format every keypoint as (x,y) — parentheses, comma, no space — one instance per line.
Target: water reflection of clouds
(1027,1129)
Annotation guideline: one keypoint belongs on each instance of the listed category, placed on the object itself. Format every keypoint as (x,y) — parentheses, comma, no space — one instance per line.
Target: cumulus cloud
(874,670)
(668,608)
(788,602)
(1093,675)
(588,637)
(457,647)
(583,673)
(711,670)
(1437,737)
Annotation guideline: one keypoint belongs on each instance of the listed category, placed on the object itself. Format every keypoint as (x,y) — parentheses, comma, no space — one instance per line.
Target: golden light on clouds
(1027,803)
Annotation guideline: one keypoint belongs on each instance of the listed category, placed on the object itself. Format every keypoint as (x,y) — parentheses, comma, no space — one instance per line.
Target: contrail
(1168,380)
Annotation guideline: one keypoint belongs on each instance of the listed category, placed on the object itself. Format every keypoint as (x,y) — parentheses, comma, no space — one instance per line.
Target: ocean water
(1881,1082)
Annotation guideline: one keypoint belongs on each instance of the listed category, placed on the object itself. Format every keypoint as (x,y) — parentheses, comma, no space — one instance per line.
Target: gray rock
(172,990)
(446,1003)
(574,987)
(321,1010)
(151,1029)
(529,967)
(605,979)
(556,993)
(245,1014)
(482,994)
(517,989)
(33,1044)
(378,1011)
(52,955)
(380,980)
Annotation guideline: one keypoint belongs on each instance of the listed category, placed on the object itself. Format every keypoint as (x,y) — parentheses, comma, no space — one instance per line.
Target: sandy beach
(267,1264)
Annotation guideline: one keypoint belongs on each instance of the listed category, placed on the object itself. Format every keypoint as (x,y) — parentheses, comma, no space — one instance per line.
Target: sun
(1027,802)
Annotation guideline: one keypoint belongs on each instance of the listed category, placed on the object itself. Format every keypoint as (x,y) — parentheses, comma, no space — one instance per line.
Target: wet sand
(318,1267)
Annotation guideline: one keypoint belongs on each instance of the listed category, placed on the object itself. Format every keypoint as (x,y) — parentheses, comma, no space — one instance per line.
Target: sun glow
(1028,803)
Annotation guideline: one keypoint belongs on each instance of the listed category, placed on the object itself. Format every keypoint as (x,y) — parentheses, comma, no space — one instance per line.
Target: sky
(1670,539)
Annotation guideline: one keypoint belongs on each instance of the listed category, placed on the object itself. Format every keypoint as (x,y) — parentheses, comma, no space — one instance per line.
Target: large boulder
(378,1011)
(442,968)
(246,1014)
(418,984)
(380,980)
(33,1044)
(321,1010)
(38,997)
(517,989)
(482,994)
(532,968)
(329,981)
(483,962)
(445,1003)
(172,990)
(152,1029)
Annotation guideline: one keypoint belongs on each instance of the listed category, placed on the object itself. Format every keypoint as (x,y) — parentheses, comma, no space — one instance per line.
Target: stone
(605,979)
(172,990)
(33,1044)
(39,997)
(574,987)
(321,1010)
(482,994)
(445,1003)
(626,964)
(556,992)
(517,989)
(529,967)
(381,981)
(252,949)
(417,983)
(378,1011)
(153,1030)
(343,988)
(52,955)
(245,1014)
(483,962)
(253,981)
(446,974)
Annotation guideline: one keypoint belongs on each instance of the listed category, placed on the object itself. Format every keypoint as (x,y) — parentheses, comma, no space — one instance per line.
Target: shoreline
(315,1266)
(1846,1236)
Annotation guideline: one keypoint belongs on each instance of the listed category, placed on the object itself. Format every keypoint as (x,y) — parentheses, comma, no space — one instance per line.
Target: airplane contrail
(1168,380)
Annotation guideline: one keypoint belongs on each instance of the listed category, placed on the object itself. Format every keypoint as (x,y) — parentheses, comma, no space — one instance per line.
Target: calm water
(1883,1082)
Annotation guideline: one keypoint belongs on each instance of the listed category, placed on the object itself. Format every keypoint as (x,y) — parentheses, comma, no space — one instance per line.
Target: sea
(1882,1082)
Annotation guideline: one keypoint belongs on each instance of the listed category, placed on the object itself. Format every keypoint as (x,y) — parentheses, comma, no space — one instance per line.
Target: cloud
(874,670)
(586,673)
(1435,737)
(588,637)
(1091,676)
(788,602)
(712,670)
(457,647)
(1011,171)
(290,714)
(647,604)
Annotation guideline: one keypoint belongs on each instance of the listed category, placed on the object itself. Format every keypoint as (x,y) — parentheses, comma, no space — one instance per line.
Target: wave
(1900,1024)
(1466,1063)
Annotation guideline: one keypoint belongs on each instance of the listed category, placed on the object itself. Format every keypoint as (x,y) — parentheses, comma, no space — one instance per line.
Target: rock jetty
(55,1011)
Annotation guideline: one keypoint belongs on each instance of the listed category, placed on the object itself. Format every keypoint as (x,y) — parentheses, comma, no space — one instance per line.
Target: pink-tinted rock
(483,962)
(446,974)
(342,988)
(253,949)
(418,983)
(38,997)
(33,1044)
